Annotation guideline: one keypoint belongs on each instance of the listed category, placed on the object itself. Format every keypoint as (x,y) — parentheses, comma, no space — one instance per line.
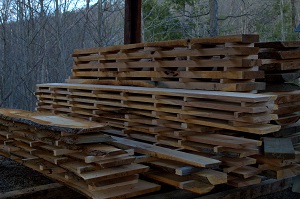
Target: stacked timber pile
(193,138)
(227,63)
(281,64)
(73,152)
(192,121)
(203,123)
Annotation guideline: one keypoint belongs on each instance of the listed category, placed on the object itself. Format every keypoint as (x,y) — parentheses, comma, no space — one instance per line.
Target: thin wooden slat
(164,153)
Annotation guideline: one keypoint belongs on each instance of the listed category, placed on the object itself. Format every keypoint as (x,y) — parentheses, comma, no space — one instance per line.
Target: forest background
(37,37)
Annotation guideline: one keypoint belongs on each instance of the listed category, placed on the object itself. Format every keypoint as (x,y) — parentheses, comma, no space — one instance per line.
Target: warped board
(50,121)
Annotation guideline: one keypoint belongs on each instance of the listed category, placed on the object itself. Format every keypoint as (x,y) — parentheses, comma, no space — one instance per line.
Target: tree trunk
(282,20)
(100,23)
(213,14)
(85,25)
(294,13)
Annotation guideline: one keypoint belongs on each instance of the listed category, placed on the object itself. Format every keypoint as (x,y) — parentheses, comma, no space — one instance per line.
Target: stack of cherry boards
(188,108)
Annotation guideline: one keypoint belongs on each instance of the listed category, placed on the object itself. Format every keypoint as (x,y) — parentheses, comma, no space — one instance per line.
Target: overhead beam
(133,19)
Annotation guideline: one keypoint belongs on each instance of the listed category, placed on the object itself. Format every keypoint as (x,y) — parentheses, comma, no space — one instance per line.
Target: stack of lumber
(166,101)
(279,160)
(202,123)
(73,152)
(152,110)
(227,63)
(281,63)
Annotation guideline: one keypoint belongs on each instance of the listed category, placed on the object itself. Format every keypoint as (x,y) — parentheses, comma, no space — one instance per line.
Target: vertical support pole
(133,19)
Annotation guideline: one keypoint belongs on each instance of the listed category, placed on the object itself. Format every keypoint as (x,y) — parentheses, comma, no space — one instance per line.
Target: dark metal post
(133,19)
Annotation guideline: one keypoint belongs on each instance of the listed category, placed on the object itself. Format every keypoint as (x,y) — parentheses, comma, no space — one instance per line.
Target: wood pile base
(75,154)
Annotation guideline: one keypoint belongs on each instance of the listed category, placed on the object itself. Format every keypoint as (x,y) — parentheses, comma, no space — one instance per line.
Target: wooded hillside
(38,36)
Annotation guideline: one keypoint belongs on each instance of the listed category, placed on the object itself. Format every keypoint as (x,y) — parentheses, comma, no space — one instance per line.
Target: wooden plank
(288,130)
(196,63)
(171,53)
(278,44)
(182,182)
(239,182)
(280,172)
(280,65)
(165,153)
(289,54)
(114,172)
(286,97)
(87,139)
(210,176)
(174,74)
(78,167)
(272,149)
(112,183)
(273,161)
(288,108)
(177,168)
(246,171)
(217,95)
(243,38)
(50,122)
(237,162)
(223,140)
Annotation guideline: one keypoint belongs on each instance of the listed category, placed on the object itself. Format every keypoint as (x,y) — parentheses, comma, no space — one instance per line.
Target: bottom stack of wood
(72,152)
(82,155)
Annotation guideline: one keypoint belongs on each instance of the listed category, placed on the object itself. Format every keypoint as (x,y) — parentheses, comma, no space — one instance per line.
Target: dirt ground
(14,176)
